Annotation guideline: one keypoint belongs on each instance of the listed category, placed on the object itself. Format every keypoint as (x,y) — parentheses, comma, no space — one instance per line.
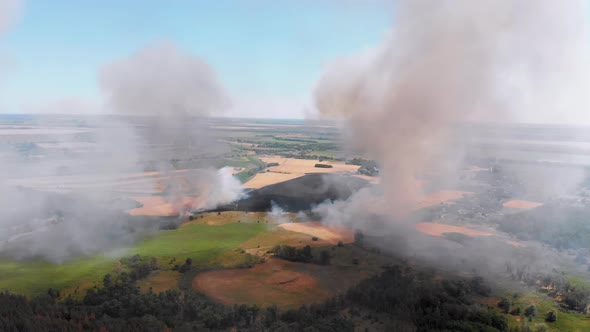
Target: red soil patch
(275,282)
(330,234)
(436,229)
(519,204)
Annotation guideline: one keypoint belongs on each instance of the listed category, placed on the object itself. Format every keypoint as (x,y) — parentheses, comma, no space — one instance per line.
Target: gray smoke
(163,97)
(453,61)
(171,93)
(163,81)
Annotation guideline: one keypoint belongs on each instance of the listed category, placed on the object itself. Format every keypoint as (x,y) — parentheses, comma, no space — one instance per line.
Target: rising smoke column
(166,95)
(452,61)
(170,93)
(163,81)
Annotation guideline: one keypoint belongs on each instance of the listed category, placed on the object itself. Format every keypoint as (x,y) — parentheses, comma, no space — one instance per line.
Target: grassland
(251,165)
(201,242)
(35,277)
(197,241)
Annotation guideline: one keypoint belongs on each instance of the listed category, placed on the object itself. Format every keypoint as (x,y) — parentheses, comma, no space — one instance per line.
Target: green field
(197,241)
(566,321)
(35,277)
(200,242)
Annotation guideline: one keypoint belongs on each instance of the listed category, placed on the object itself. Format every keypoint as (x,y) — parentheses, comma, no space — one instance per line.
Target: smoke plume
(171,93)
(163,81)
(74,205)
(454,61)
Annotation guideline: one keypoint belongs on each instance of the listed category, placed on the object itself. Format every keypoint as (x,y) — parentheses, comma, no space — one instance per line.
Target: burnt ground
(299,194)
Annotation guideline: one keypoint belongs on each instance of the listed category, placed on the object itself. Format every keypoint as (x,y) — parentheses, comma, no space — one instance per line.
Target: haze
(410,165)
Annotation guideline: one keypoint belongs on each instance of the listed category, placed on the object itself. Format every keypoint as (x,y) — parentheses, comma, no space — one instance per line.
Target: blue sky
(269,52)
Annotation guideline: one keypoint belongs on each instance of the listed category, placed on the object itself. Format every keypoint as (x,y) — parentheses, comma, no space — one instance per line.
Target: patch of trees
(399,297)
(272,164)
(293,254)
(303,255)
(323,166)
(291,148)
(574,297)
(140,266)
(362,162)
(367,167)
(560,226)
(182,268)
(431,305)
(254,166)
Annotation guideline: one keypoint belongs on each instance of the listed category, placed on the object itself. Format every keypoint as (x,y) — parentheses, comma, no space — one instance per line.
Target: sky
(268,54)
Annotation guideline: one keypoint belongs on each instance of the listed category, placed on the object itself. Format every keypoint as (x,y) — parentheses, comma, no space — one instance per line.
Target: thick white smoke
(277,214)
(451,61)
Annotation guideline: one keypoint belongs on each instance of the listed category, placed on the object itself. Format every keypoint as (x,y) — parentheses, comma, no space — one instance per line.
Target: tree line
(398,299)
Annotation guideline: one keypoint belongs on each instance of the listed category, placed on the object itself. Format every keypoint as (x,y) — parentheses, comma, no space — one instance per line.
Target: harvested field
(290,168)
(139,184)
(284,283)
(330,234)
(303,166)
(264,179)
(147,181)
(162,207)
(520,204)
(443,196)
(436,229)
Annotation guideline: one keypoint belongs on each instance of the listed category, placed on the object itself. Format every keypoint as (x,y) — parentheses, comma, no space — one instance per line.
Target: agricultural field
(282,283)
(201,242)
(267,249)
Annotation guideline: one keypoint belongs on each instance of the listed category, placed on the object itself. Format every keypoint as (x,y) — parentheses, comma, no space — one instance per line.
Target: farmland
(278,282)
(198,241)
(227,255)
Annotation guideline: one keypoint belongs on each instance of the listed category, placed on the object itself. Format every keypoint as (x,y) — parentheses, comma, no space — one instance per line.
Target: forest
(398,299)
